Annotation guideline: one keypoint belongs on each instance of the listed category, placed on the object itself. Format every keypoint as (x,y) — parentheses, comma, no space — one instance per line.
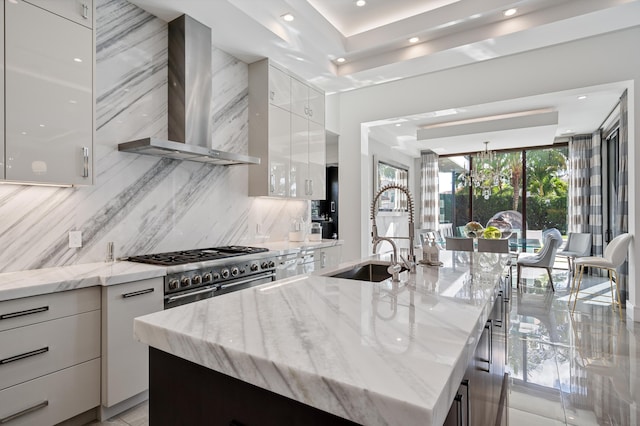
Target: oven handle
(248,280)
(192,293)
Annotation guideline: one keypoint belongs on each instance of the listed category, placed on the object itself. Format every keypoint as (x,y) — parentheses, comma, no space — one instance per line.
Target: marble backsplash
(144,204)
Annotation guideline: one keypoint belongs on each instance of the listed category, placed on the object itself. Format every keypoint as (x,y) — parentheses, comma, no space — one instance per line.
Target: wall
(391,224)
(143,204)
(572,65)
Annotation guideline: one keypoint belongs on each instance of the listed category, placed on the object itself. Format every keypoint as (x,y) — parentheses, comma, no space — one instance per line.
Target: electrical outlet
(75,239)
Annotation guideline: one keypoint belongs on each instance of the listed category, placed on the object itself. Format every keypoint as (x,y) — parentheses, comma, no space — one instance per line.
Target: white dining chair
(578,245)
(614,255)
(493,246)
(545,258)
(459,244)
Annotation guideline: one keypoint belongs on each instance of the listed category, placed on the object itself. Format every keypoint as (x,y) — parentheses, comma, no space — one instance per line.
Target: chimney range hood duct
(189,101)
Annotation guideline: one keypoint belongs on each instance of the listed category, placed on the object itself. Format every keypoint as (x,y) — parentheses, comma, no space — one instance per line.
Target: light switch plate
(75,239)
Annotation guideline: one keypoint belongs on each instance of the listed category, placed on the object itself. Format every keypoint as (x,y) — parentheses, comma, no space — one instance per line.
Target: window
(387,173)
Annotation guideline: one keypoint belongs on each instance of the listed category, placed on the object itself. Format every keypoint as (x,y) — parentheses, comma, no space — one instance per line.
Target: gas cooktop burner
(198,255)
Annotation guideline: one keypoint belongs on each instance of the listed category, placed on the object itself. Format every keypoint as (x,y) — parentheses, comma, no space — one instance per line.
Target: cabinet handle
(85,11)
(24,355)
(272,180)
(23,412)
(85,160)
(138,293)
(488,360)
(499,321)
(272,95)
(310,186)
(306,110)
(458,400)
(23,313)
(465,383)
(310,112)
(323,259)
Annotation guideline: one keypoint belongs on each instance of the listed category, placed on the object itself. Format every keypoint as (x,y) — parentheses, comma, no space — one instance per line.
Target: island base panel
(182,392)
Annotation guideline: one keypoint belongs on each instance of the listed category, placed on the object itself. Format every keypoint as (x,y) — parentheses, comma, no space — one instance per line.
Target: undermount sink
(365,272)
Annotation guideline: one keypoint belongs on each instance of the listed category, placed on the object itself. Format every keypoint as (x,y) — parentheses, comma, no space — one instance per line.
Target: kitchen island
(369,353)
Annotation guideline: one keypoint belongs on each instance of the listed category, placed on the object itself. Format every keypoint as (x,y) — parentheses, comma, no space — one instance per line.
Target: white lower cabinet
(125,361)
(53,398)
(49,357)
(327,257)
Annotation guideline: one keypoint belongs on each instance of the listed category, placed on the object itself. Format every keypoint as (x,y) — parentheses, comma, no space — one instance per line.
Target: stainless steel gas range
(199,274)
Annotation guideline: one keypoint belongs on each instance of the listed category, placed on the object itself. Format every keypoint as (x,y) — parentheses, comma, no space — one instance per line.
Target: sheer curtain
(429,187)
(585,188)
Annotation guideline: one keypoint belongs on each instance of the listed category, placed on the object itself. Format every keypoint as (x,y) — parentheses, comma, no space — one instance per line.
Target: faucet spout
(411,262)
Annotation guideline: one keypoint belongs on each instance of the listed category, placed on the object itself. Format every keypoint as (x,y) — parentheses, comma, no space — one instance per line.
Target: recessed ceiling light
(476,16)
(360,3)
(288,17)
(341,60)
(581,97)
(398,125)
(510,12)
(568,131)
(414,40)
(77,59)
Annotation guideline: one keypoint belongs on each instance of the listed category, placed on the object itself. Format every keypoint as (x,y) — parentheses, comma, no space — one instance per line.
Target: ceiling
(374,41)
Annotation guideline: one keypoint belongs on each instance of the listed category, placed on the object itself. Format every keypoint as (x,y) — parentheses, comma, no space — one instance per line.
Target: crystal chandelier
(484,175)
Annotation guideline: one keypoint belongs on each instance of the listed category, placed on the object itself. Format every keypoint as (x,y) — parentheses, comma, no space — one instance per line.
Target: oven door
(242,283)
(188,296)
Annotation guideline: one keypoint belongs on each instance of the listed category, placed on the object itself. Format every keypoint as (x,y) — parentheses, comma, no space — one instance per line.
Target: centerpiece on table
(473,229)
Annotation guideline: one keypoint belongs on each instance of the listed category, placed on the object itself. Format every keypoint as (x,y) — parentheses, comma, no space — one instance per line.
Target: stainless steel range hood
(189,101)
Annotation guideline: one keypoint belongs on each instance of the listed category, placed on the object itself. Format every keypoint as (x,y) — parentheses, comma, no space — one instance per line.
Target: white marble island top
(374,353)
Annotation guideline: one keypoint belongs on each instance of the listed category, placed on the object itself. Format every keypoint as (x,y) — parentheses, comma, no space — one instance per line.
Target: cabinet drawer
(52,398)
(39,349)
(79,11)
(30,310)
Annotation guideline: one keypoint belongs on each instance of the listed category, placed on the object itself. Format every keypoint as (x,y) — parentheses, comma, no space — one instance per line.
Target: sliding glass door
(526,187)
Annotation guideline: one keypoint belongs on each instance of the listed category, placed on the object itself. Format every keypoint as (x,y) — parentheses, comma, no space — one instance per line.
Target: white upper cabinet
(279,88)
(285,134)
(317,162)
(307,101)
(49,95)
(79,11)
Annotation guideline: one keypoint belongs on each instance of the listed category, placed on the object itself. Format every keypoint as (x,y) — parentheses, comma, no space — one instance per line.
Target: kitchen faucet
(410,263)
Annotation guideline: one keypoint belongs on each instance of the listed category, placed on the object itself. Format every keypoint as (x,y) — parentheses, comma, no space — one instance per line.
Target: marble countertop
(14,285)
(375,353)
(287,247)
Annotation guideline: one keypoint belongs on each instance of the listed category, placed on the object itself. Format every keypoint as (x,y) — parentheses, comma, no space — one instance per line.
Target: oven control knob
(225,273)
(264,265)
(196,279)
(254,267)
(234,271)
(173,283)
(272,264)
(207,278)
(216,276)
(185,281)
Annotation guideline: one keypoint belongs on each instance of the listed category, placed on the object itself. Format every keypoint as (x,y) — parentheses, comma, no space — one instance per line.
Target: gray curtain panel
(585,188)
(429,187)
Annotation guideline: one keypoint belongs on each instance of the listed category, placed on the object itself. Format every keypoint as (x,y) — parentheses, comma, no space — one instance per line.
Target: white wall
(577,64)
(389,224)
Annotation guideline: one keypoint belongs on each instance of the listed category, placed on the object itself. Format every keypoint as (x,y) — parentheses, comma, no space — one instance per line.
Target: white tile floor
(565,369)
